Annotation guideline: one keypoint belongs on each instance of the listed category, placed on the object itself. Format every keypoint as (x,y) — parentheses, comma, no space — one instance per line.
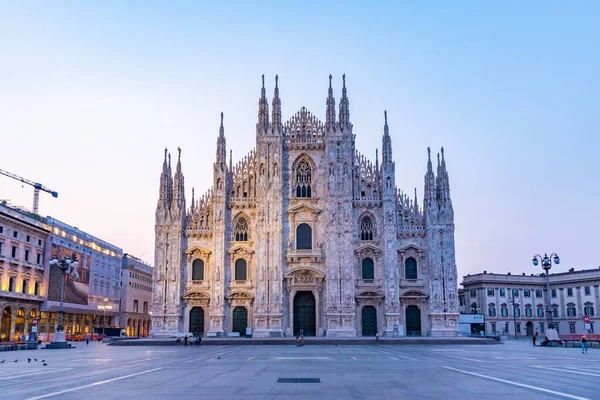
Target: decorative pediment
(241,249)
(368,250)
(370,295)
(413,293)
(199,251)
(411,247)
(304,208)
(240,295)
(304,275)
(196,296)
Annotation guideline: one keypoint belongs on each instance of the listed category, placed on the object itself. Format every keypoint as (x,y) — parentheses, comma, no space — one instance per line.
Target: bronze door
(304,314)
(240,320)
(369,321)
(197,321)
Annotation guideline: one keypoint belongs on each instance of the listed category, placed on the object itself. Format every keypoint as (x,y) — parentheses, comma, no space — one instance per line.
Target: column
(13,320)
(579,304)
(26,326)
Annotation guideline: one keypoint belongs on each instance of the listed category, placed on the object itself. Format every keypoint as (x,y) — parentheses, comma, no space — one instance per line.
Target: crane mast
(36,188)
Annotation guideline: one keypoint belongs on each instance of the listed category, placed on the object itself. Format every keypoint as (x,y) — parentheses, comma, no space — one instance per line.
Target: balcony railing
(293,255)
(201,284)
(368,282)
(412,282)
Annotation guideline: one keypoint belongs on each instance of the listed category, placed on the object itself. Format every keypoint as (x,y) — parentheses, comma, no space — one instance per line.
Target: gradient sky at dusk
(92,92)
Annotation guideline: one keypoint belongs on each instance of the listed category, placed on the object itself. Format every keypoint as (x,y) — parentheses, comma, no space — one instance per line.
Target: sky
(92,92)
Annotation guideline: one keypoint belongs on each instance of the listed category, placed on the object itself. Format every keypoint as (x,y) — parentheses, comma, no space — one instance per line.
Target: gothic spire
(386,151)
(164,185)
(263,109)
(221,147)
(430,194)
(344,107)
(330,114)
(193,200)
(169,197)
(443,184)
(179,188)
(276,120)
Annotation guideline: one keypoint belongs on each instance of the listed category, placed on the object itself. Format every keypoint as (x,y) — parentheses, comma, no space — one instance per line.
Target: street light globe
(535,261)
(556,260)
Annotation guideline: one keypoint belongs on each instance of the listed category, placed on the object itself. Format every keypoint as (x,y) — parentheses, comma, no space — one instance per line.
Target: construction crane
(36,188)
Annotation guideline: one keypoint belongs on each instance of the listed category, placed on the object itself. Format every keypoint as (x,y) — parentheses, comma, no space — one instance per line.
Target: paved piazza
(509,371)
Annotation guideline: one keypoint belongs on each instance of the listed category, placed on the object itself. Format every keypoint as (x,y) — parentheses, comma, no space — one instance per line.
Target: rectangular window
(570,292)
(587,291)
(526,293)
(24,286)
(490,291)
(14,252)
(39,242)
(555,312)
(588,310)
(135,306)
(145,307)
(541,327)
(538,294)
(515,292)
(502,292)
(553,292)
(473,292)
(504,311)
(540,312)
(506,328)
(28,238)
(26,255)
(1,247)
(15,234)
(518,327)
(39,259)
(493,328)
(528,312)
(1,229)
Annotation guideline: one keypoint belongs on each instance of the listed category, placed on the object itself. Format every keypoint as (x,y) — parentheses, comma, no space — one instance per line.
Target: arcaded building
(305,234)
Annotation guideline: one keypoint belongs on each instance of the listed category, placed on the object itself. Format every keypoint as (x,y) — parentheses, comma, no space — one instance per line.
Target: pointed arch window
(240,230)
(368,269)
(303,180)
(410,268)
(303,237)
(198,270)
(366,228)
(240,270)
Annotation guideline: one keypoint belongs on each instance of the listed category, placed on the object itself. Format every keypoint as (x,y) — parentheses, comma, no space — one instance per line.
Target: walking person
(533,339)
(584,344)
(87,340)
(185,340)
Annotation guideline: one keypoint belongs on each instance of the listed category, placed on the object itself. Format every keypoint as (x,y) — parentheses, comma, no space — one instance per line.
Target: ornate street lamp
(546,265)
(515,304)
(105,306)
(66,265)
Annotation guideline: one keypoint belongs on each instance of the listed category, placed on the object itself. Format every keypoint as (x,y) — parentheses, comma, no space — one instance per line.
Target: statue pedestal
(59,342)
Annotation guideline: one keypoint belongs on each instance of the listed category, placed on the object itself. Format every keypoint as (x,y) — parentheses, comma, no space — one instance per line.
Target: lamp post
(105,306)
(66,265)
(515,304)
(546,265)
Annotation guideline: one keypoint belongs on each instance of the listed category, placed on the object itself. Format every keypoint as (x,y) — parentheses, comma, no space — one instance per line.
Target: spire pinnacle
(330,103)
(344,106)
(263,109)
(178,154)
(221,129)
(377,159)
(276,119)
(230,160)
(221,147)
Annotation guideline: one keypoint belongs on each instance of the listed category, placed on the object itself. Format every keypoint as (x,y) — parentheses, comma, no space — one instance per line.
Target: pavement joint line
(569,396)
(143,359)
(92,384)
(566,370)
(466,358)
(20,375)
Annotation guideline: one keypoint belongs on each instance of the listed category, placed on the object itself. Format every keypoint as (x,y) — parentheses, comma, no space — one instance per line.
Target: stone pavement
(339,372)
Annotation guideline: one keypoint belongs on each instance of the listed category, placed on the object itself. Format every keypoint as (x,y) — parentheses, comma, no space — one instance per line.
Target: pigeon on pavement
(29,360)
(44,364)
(35,359)
(2,361)
(43,360)
(16,360)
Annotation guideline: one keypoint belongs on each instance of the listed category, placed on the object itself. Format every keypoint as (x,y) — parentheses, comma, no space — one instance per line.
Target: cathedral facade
(305,235)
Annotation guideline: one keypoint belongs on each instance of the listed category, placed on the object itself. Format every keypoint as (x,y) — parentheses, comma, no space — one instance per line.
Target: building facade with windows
(97,277)
(305,234)
(23,274)
(519,302)
(136,296)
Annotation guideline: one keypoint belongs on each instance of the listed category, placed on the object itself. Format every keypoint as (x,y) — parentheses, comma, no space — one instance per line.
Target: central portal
(304,314)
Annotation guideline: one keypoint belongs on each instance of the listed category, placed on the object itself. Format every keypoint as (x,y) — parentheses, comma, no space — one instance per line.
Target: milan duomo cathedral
(305,235)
